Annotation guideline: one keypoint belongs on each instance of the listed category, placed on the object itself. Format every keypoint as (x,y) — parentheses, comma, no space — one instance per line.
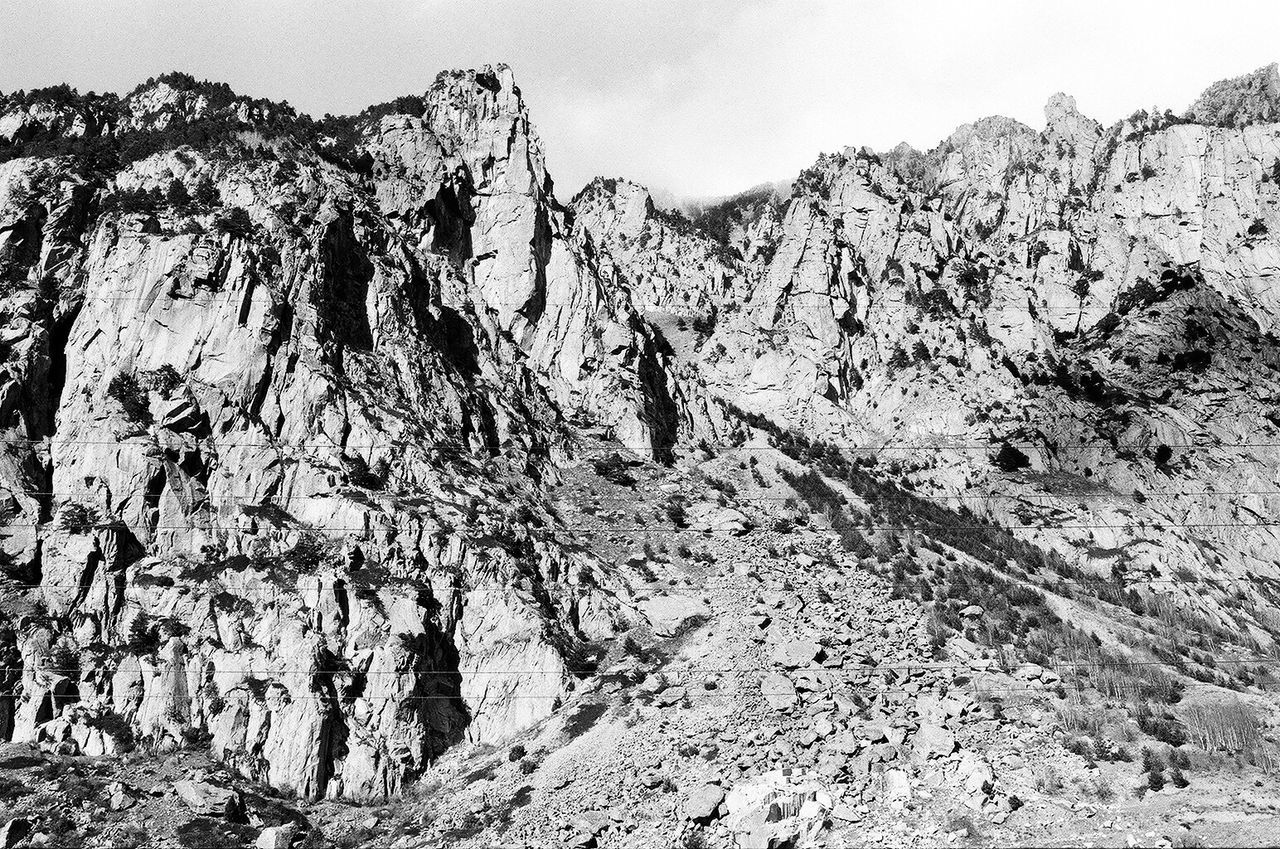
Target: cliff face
(281,400)
(1101,300)
(274,426)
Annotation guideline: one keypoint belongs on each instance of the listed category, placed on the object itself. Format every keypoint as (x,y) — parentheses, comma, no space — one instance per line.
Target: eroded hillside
(933,503)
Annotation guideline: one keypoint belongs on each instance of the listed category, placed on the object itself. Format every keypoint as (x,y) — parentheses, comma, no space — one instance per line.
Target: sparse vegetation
(177,195)
(1049,782)
(128,392)
(1162,725)
(1231,727)
(1117,678)
(205,833)
(719,220)
(360,474)
(614,468)
(1010,458)
(164,380)
(1014,612)
(77,518)
(100,149)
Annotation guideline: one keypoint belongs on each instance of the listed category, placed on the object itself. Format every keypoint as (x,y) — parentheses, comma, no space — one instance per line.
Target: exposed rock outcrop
(1250,99)
(281,401)
(272,436)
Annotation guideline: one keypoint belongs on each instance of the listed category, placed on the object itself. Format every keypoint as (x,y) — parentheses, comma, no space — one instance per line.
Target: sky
(695,98)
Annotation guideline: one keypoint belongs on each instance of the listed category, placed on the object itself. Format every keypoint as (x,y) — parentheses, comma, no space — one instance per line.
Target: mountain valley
(359,491)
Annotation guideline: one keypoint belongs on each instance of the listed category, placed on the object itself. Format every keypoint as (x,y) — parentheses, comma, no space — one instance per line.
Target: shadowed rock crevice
(346,272)
(20,245)
(451,217)
(661,412)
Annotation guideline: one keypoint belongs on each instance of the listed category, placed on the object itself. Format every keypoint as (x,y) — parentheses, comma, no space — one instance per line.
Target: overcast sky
(697,98)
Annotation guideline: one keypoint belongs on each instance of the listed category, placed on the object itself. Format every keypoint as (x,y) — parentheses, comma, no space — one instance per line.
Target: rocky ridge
(309,428)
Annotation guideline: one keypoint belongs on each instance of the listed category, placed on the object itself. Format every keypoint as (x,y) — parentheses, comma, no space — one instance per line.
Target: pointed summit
(1063,120)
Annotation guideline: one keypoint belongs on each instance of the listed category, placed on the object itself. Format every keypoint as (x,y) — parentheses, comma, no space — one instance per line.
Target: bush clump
(128,392)
(236,222)
(163,380)
(1010,459)
(614,468)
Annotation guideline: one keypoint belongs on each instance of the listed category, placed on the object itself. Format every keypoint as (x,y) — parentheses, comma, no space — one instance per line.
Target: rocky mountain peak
(613,202)
(1249,99)
(471,109)
(1063,120)
(986,130)
(177,98)
(903,150)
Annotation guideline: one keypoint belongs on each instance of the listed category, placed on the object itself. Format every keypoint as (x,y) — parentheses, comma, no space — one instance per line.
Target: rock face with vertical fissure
(276,445)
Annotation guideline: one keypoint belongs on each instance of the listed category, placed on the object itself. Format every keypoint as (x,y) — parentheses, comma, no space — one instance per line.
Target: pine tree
(207,193)
(177,194)
(141,635)
(65,660)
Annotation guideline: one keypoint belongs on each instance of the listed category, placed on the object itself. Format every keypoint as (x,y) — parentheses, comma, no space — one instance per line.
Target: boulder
(209,800)
(845,812)
(670,615)
(933,741)
(778,690)
(277,836)
(14,832)
(672,696)
(975,774)
(794,654)
(874,732)
(591,822)
(120,796)
(725,520)
(1030,671)
(897,786)
(181,414)
(774,810)
(703,804)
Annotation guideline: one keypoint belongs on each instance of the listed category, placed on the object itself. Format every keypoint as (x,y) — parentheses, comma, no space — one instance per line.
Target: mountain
(344,464)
